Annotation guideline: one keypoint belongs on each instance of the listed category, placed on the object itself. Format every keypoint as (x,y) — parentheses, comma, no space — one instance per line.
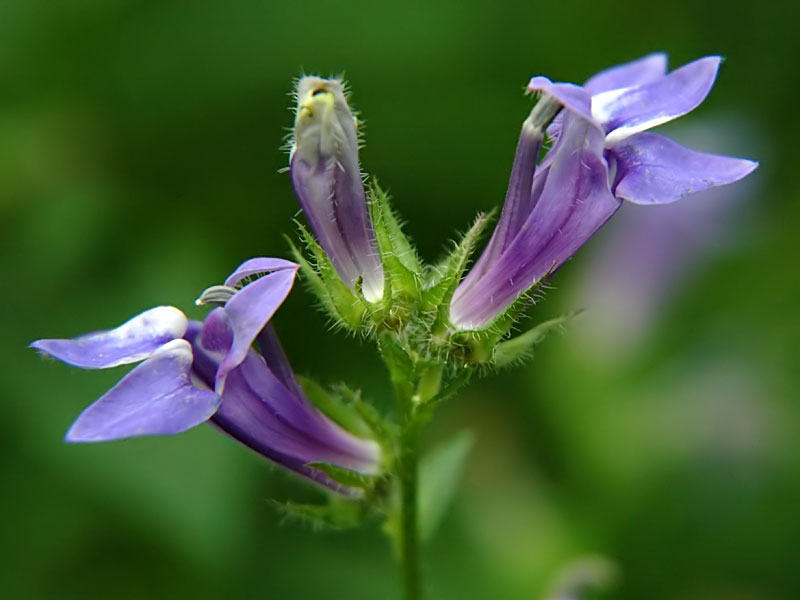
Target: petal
(574,204)
(276,360)
(321,439)
(647,69)
(156,398)
(248,311)
(518,203)
(258,266)
(131,342)
(572,96)
(628,111)
(247,417)
(652,169)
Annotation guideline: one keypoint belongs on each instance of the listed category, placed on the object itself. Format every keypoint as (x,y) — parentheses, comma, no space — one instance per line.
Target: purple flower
(601,156)
(194,372)
(328,184)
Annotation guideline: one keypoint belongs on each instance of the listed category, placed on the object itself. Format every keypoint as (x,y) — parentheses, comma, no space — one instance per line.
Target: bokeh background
(139,163)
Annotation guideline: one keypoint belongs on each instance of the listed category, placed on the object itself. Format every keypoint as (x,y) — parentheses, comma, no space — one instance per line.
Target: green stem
(409,530)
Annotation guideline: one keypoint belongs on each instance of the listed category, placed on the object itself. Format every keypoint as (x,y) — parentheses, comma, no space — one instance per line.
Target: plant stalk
(409,529)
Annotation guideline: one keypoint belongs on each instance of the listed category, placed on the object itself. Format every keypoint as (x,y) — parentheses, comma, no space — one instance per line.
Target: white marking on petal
(621,133)
(178,349)
(603,102)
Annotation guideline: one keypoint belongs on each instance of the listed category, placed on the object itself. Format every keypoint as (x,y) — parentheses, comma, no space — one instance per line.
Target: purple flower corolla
(328,184)
(601,156)
(195,372)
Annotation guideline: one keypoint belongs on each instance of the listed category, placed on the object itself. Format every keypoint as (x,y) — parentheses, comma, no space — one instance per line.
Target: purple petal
(625,112)
(131,342)
(322,439)
(276,360)
(156,398)
(574,204)
(518,203)
(248,311)
(652,169)
(572,96)
(260,413)
(647,69)
(257,266)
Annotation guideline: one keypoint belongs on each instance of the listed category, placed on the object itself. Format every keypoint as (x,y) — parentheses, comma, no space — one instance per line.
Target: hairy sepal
(520,348)
(337,514)
(346,308)
(399,259)
(477,346)
(445,277)
(345,476)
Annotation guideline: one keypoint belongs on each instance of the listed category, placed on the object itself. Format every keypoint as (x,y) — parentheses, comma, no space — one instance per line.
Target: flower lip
(133,341)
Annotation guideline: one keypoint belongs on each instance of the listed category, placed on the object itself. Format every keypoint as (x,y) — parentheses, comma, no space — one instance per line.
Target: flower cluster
(433,325)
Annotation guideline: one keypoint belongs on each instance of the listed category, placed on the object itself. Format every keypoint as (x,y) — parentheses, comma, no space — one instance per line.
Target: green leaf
(521,347)
(439,476)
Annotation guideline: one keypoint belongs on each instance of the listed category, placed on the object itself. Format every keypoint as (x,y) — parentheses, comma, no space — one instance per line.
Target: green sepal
(477,346)
(454,381)
(345,476)
(344,306)
(439,475)
(339,406)
(401,265)
(505,321)
(312,280)
(445,277)
(337,514)
(520,348)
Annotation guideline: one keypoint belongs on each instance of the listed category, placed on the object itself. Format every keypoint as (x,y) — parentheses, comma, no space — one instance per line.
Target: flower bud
(328,184)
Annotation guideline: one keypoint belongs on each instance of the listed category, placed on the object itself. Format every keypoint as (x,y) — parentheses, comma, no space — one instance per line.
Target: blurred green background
(139,163)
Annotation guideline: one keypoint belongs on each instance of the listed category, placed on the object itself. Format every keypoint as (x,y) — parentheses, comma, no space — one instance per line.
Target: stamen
(216,295)
(544,112)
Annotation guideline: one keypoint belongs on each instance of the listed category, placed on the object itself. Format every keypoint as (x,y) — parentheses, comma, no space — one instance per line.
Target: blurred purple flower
(195,372)
(600,157)
(327,182)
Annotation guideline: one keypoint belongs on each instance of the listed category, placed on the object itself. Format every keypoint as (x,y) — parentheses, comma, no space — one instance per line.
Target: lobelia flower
(601,156)
(327,182)
(196,372)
